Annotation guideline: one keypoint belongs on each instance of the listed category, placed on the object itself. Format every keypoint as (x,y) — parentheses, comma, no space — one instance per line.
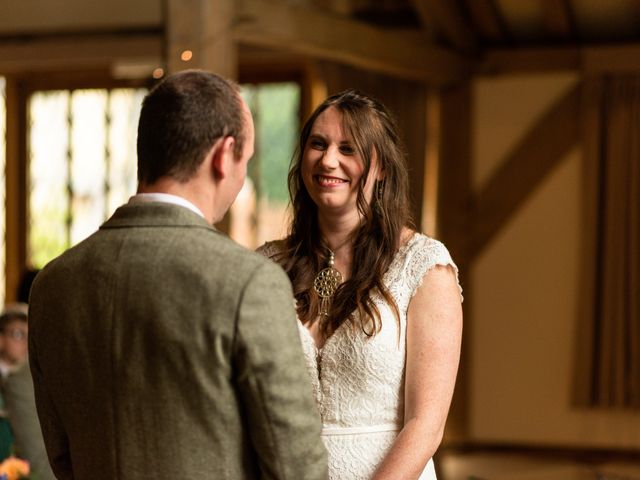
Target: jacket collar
(155,214)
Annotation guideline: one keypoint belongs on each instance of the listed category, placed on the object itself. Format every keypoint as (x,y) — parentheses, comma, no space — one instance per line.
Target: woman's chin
(335,205)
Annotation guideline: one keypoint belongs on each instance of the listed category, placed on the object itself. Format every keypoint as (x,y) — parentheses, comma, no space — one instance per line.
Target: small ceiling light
(186,55)
(158,73)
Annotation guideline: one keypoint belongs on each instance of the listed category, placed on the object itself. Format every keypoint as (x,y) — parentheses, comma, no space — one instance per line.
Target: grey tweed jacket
(160,349)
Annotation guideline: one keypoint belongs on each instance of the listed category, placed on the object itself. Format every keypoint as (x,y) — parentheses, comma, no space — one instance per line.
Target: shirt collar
(165,198)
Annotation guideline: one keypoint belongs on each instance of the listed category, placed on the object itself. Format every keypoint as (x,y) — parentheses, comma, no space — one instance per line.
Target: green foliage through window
(275,108)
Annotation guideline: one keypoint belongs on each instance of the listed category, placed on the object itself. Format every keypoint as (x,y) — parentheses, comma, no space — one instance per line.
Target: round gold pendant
(327,282)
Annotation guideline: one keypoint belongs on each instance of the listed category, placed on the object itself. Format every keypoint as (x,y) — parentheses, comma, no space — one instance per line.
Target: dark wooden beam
(529,60)
(545,454)
(548,141)
(558,19)
(330,37)
(454,168)
(431,175)
(37,17)
(342,7)
(611,59)
(454,191)
(16,219)
(444,19)
(79,51)
(488,21)
(589,60)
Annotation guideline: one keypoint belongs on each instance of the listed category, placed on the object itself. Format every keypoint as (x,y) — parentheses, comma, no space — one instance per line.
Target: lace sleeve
(421,257)
(270,249)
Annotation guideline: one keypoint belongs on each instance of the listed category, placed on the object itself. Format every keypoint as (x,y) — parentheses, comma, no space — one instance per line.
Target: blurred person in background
(13,353)
(20,416)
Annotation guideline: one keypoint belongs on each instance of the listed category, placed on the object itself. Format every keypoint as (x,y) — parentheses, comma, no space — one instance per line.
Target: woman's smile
(328,181)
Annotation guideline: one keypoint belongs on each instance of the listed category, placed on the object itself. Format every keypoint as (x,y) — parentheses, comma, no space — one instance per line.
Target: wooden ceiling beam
(445,19)
(320,35)
(488,21)
(595,59)
(342,7)
(80,51)
(611,59)
(544,146)
(558,19)
(498,61)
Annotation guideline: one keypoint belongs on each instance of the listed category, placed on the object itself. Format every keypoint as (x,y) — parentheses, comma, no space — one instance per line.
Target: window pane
(88,172)
(124,110)
(49,173)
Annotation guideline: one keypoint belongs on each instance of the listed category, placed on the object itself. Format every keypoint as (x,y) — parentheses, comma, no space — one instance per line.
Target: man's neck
(201,198)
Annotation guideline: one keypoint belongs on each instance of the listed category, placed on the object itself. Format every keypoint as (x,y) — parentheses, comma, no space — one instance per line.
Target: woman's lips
(328,181)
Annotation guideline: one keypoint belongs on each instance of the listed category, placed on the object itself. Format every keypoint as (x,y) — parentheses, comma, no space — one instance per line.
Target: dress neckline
(413,237)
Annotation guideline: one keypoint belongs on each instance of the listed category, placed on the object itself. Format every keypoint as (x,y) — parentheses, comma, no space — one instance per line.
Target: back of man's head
(181,119)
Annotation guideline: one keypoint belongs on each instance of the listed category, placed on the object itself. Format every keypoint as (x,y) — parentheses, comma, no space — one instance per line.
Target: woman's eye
(346,150)
(316,144)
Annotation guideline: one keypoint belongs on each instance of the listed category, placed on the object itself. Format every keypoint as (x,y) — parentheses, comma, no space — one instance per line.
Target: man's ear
(222,154)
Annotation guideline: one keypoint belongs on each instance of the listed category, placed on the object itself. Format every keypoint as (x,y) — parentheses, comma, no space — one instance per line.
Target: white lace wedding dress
(358,381)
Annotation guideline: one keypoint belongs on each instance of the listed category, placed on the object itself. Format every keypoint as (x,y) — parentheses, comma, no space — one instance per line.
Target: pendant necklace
(326,283)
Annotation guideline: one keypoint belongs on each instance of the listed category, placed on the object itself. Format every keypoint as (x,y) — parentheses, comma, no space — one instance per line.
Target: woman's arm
(434,332)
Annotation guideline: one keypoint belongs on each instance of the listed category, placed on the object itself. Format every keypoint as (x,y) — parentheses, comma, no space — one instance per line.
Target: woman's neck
(337,231)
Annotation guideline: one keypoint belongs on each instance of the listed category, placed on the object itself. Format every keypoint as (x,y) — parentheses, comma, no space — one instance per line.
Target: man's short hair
(181,119)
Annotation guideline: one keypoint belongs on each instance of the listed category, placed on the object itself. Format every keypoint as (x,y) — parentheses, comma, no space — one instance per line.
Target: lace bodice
(358,381)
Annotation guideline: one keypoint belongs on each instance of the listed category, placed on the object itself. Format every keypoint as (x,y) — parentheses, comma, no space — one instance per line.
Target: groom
(159,348)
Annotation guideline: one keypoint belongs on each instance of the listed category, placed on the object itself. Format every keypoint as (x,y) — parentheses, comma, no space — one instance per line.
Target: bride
(379,304)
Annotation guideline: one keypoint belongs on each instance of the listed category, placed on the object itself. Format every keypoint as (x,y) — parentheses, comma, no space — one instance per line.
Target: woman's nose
(330,158)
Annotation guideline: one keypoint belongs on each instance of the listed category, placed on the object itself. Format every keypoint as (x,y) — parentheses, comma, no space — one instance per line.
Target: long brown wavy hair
(373,131)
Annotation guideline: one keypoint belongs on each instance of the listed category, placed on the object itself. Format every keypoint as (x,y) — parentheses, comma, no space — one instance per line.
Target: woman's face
(332,168)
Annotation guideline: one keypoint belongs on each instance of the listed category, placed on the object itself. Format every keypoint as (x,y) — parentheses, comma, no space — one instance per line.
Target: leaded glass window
(82,164)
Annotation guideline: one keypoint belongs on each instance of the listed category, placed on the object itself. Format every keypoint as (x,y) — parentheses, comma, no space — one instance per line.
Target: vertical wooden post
(204,28)
(199,34)
(16,186)
(314,90)
(429,220)
(453,223)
